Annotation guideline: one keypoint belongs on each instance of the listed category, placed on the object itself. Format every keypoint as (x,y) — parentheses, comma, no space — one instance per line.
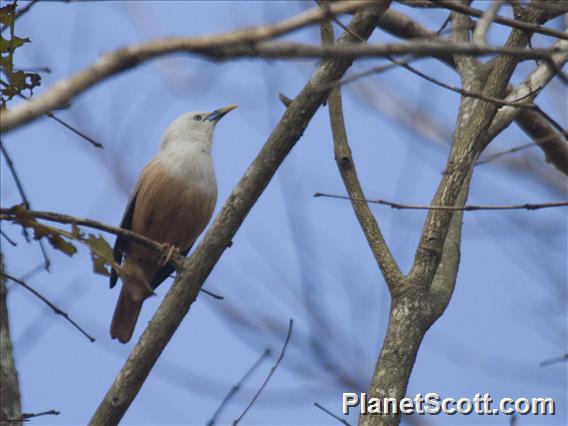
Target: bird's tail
(125,316)
(132,295)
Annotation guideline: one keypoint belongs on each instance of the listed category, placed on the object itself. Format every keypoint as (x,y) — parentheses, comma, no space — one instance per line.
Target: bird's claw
(169,249)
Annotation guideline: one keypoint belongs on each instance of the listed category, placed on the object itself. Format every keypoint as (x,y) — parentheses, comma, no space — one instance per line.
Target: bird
(171,203)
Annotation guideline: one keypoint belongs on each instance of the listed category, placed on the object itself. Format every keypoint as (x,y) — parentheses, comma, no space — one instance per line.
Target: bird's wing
(166,271)
(121,242)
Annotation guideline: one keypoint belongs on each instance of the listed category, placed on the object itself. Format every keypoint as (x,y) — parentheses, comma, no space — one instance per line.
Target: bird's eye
(197,117)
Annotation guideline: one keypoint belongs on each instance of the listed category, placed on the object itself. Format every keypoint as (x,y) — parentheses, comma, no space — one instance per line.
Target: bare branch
(271,372)
(346,167)
(48,303)
(120,60)
(551,142)
(235,388)
(25,200)
(467,208)
(326,411)
(26,416)
(528,89)
(7,238)
(556,360)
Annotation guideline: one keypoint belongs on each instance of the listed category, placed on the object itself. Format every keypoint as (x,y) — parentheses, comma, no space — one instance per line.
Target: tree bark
(10,407)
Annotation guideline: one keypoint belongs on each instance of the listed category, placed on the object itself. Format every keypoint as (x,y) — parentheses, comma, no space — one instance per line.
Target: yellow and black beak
(219,113)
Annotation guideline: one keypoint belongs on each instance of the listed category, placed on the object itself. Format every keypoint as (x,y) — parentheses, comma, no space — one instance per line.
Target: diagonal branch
(185,288)
(54,308)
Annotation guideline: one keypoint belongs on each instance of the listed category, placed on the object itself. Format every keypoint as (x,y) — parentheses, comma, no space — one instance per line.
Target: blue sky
(294,256)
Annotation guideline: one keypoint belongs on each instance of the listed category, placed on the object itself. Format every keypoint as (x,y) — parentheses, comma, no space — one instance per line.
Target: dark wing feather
(166,271)
(121,242)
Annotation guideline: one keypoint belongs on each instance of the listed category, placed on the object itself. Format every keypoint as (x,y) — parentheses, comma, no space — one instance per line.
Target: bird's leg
(169,249)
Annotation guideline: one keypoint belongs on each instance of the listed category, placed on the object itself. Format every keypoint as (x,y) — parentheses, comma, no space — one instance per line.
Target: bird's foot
(169,250)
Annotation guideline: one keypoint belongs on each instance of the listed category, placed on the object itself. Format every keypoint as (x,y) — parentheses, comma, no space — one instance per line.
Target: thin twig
(207,292)
(526,206)
(556,360)
(74,130)
(271,372)
(62,122)
(17,180)
(235,388)
(24,417)
(444,25)
(26,201)
(33,272)
(500,154)
(12,242)
(326,411)
(48,303)
(463,92)
(210,293)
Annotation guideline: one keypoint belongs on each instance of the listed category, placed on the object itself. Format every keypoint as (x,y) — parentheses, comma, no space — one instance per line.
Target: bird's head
(194,128)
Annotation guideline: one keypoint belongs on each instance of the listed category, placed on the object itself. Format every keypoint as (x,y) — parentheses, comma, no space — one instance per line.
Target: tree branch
(459,208)
(346,167)
(270,373)
(48,303)
(475,139)
(402,26)
(10,214)
(10,400)
(551,142)
(223,47)
(528,90)
(196,269)
(513,23)
(120,60)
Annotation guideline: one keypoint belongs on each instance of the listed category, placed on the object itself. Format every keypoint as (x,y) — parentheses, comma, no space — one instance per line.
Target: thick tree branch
(186,286)
(10,405)
(224,47)
(346,166)
(430,247)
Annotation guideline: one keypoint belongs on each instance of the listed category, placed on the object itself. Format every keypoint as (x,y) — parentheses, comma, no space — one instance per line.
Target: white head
(195,128)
